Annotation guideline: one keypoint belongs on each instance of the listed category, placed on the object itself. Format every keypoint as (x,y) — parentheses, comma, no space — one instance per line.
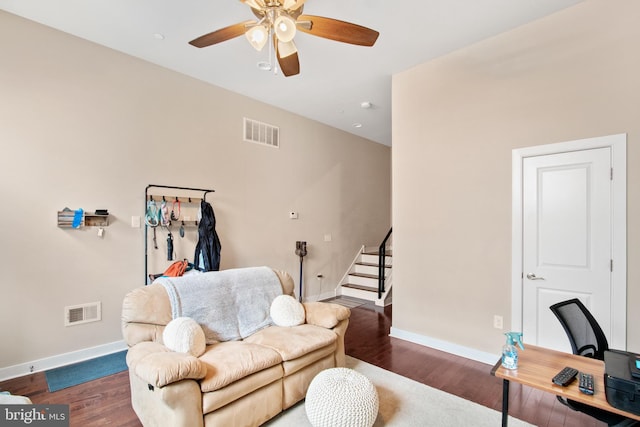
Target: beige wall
(456,120)
(82,126)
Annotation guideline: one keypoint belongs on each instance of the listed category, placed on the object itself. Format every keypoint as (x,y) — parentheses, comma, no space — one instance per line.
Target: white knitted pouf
(341,397)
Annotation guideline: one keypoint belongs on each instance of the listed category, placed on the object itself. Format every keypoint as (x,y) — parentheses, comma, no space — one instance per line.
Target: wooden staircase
(361,280)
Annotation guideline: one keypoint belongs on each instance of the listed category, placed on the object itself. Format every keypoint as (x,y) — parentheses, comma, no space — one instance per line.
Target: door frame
(618,145)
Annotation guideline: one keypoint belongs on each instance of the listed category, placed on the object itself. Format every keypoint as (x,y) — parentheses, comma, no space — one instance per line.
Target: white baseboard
(320,297)
(60,360)
(458,350)
(101,350)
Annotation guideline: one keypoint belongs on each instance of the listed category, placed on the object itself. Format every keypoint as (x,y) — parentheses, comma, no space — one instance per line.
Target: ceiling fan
(279,20)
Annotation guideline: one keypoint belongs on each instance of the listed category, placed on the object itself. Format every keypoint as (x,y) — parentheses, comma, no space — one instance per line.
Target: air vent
(261,133)
(85,313)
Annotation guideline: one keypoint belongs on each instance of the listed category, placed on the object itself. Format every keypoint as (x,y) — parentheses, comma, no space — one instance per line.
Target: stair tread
(360,287)
(365,275)
(387,253)
(371,264)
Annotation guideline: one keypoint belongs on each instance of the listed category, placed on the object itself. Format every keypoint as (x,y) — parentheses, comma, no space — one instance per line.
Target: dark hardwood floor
(106,401)
(368,339)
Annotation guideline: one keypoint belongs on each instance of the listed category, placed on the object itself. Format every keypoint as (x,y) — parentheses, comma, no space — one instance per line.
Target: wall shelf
(96,220)
(66,219)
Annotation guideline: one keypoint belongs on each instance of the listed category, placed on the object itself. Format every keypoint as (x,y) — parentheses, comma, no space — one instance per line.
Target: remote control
(586,383)
(565,376)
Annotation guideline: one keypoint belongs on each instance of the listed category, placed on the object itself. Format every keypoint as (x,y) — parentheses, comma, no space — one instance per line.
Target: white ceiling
(335,78)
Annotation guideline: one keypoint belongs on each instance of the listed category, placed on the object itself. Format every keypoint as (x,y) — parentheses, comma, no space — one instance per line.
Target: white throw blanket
(229,305)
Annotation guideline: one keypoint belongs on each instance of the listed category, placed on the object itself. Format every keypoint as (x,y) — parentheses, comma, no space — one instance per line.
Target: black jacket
(208,243)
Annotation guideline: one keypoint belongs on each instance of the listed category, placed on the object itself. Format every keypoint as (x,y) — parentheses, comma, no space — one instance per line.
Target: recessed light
(366,105)
(158,36)
(357,125)
(264,65)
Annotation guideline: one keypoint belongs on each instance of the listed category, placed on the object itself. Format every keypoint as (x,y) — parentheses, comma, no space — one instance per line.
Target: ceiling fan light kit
(280,20)
(257,36)
(285,28)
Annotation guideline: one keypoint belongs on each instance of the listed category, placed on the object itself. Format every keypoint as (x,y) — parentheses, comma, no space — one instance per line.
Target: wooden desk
(537,366)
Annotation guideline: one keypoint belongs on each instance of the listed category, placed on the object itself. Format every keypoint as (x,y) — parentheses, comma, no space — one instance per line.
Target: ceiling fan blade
(340,31)
(290,64)
(222,34)
(286,48)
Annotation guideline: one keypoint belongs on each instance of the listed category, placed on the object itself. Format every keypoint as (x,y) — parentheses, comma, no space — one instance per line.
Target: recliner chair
(587,339)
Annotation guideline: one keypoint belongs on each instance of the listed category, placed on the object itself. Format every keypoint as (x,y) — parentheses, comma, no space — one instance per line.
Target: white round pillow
(184,335)
(287,311)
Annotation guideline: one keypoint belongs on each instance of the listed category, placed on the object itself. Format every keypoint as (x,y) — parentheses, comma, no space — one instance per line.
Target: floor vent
(261,133)
(85,313)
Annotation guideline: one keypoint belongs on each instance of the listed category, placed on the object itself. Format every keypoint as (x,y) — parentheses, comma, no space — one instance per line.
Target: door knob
(532,276)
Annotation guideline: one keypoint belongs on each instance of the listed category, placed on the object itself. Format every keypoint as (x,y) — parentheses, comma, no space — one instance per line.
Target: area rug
(346,301)
(408,403)
(81,372)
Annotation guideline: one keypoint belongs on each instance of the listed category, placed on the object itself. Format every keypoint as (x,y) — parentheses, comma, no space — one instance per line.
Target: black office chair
(587,339)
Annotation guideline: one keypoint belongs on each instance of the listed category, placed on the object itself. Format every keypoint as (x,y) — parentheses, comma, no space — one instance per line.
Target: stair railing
(382,263)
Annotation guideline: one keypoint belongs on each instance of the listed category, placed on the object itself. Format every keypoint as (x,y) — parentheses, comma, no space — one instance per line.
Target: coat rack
(167,198)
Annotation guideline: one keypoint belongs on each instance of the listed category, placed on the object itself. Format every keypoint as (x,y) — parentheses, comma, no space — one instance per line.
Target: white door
(567,243)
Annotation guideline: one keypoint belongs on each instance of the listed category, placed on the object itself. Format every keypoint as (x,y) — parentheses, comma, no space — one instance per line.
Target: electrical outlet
(497,321)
